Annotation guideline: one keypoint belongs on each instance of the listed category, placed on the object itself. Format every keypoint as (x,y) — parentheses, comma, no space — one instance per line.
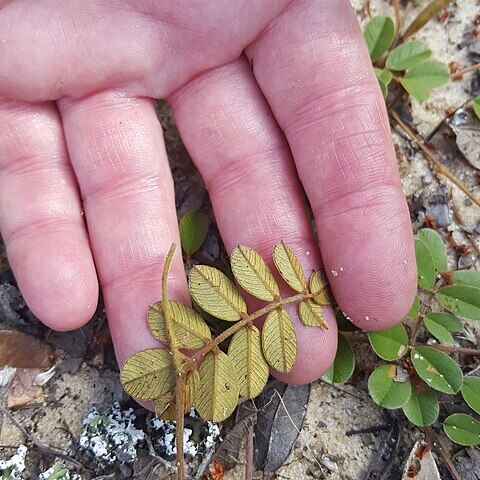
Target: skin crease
(274,100)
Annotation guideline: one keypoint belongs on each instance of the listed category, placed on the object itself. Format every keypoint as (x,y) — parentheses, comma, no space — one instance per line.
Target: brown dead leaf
(20,350)
(23,390)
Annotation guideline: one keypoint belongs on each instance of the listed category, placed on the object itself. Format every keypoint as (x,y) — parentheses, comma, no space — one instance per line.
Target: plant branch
(437,166)
(178,364)
(212,344)
(458,75)
(452,349)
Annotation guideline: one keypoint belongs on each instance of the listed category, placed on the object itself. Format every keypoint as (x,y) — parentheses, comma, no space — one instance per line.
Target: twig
(435,441)
(398,18)
(437,166)
(458,75)
(449,349)
(249,454)
(346,392)
(40,446)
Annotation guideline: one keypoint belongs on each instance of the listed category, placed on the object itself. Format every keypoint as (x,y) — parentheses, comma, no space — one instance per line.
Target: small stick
(249,454)
(458,75)
(434,440)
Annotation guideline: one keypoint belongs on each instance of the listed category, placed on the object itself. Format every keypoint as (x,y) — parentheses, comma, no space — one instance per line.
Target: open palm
(272,99)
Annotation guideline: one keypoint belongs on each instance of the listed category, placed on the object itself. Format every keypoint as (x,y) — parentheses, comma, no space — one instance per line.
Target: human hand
(271,98)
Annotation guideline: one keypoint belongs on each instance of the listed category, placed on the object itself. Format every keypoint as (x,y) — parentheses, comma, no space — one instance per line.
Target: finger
(117,151)
(328,103)
(41,217)
(246,164)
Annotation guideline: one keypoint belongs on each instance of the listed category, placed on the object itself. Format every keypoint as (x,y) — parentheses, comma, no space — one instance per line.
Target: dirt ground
(86,375)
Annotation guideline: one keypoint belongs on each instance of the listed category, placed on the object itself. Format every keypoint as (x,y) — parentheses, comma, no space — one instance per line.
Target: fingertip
(58,282)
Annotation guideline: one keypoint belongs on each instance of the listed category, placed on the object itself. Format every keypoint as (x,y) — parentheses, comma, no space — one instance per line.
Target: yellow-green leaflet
(279,341)
(311,314)
(217,396)
(191,330)
(148,374)
(253,274)
(245,350)
(289,267)
(320,288)
(165,406)
(216,294)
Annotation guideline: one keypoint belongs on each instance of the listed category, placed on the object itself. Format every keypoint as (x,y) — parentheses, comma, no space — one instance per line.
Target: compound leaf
(215,293)
(425,265)
(436,247)
(193,230)
(343,365)
(379,34)
(437,369)
(471,392)
(289,267)
(463,300)
(466,277)
(441,325)
(165,406)
(385,391)
(148,374)
(319,288)
(462,429)
(311,314)
(245,351)
(390,344)
(422,408)
(407,55)
(190,329)
(419,80)
(253,274)
(279,341)
(217,395)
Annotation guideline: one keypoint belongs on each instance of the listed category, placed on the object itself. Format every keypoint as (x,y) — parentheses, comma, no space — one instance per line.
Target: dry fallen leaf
(20,350)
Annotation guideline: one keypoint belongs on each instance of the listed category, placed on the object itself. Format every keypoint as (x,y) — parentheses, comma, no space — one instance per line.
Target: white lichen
(15,465)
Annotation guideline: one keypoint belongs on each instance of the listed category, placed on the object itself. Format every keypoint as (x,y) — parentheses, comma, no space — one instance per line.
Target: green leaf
(215,293)
(311,314)
(193,230)
(343,365)
(289,267)
(425,265)
(462,429)
(379,34)
(476,106)
(471,392)
(245,350)
(466,277)
(422,408)
(463,300)
(415,310)
(217,396)
(429,12)
(279,341)
(437,369)
(419,80)
(344,324)
(253,274)
(148,374)
(436,247)
(390,344)
(407,55)
(442,325)
(385,391)
(384,78)
(191,330)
